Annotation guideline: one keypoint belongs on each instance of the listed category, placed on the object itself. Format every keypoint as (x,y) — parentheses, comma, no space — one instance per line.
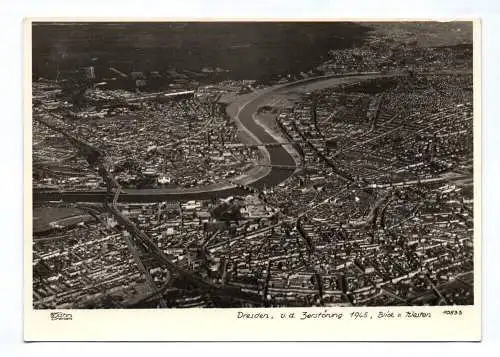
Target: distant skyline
(247,50)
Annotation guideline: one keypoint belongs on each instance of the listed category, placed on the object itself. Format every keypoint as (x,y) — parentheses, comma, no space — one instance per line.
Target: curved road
(278,156)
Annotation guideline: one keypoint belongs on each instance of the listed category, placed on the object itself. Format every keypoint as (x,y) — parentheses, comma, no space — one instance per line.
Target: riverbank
(243,109)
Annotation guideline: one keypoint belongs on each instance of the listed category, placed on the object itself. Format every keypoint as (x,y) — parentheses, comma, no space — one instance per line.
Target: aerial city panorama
(252,164)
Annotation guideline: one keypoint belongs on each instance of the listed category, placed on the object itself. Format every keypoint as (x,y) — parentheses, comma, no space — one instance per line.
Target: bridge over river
(282,164)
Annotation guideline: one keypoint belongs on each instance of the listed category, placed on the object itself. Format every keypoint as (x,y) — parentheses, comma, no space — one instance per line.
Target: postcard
(257,180)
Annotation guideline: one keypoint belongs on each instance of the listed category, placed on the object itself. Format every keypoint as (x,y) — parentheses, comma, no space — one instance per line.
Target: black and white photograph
(252,164)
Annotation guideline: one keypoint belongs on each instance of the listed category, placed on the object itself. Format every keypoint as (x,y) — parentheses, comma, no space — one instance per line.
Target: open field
(43,216)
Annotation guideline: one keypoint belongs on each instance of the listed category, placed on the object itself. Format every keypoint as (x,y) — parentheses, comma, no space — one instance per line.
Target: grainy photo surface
(252,164)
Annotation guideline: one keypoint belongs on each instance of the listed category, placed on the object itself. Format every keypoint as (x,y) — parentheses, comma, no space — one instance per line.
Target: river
(278,156)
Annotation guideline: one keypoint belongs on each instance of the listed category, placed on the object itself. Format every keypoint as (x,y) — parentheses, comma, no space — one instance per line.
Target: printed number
(452,312)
